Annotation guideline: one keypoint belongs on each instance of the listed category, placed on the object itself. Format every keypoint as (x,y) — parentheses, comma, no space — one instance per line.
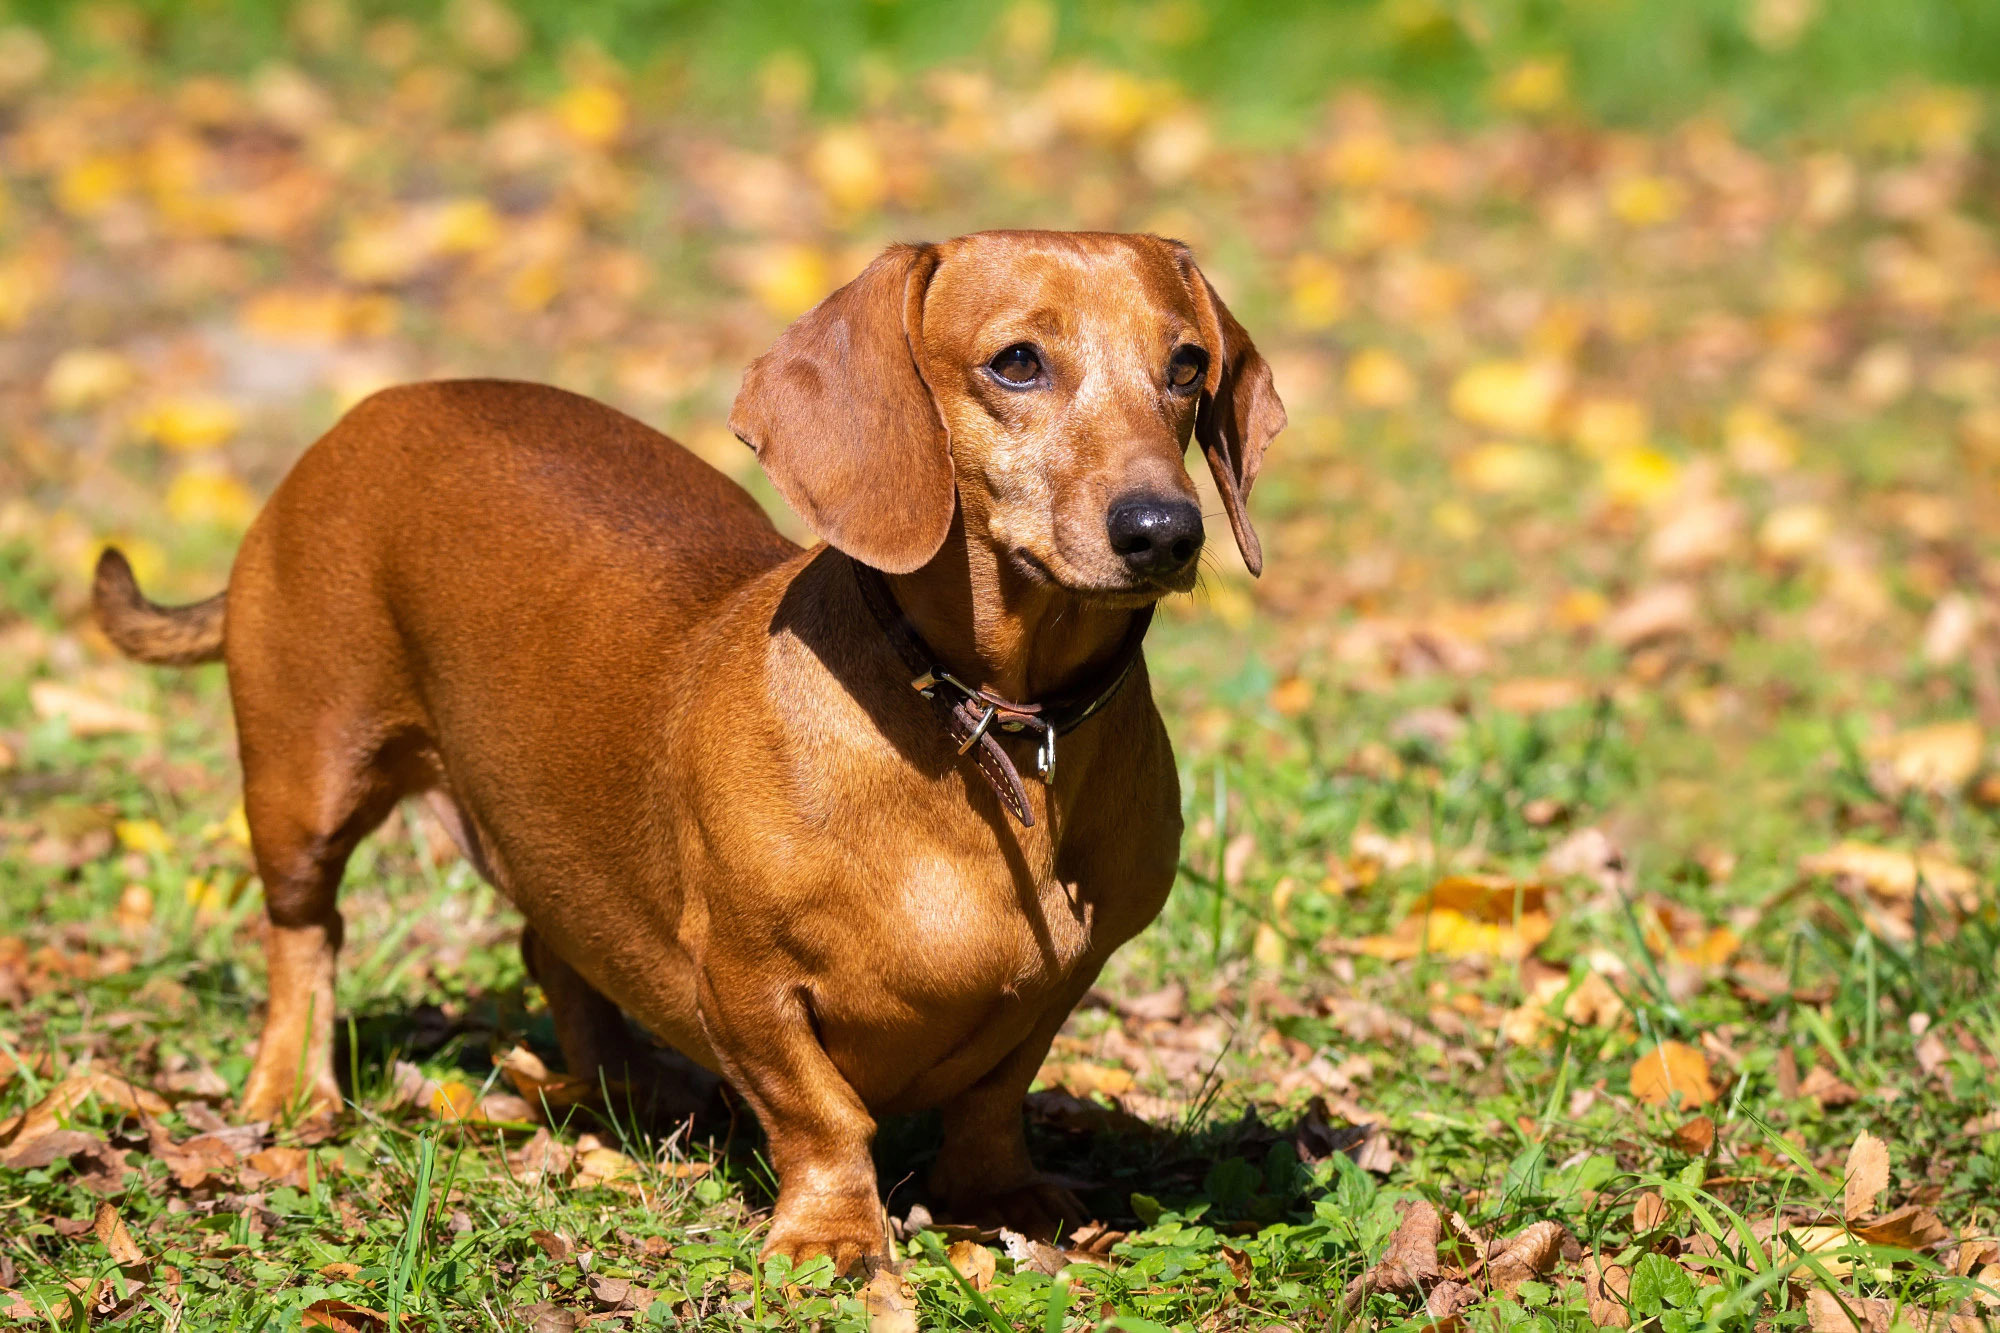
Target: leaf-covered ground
(1587,913)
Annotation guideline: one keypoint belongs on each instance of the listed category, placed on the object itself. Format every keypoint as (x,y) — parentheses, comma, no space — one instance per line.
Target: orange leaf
(1669,1068)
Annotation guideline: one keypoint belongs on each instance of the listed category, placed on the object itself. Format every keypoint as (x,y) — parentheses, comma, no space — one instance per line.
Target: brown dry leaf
(112,1234)
(1594,1004)
(88,714)
(1446,1304)
(891,1303)
(619,1295)
(1529,1255)
(1669,1068)
(1891,873)
(542,1155)
(1695,1137)
(554,1244)
(1867,1174)
(546,1317)
(1604,1288)
(1088,1079)
(284,1166)
(1940,758)
(974,1262)
(61,1101)
(1911,1227)
(599,1165)
(344,1317)
(1824,1086)
(1411,1261)
(533,1081)
(1827,1312)
(1029,1254)
(1649,1210)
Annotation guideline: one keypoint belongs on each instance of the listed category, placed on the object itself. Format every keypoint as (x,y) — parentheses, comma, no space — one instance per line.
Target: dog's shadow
(1247,1171)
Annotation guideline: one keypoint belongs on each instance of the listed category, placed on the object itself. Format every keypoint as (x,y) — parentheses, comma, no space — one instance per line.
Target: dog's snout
(1155,534)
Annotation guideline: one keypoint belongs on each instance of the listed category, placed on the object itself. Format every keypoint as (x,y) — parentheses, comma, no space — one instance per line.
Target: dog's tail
(162,635)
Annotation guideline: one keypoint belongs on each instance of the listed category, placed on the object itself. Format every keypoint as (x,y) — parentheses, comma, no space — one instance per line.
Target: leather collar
(970,716)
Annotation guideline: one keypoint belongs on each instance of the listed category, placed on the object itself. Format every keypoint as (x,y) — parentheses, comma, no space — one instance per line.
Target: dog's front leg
(819,1130)
(983,1172)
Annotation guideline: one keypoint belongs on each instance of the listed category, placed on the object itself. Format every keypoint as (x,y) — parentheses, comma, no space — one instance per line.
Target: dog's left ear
(1239,411)
(845,426)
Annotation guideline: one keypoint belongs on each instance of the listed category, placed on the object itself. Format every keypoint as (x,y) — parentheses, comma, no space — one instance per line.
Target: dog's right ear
(845,426)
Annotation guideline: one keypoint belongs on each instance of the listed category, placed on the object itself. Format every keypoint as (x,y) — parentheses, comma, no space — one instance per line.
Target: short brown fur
(680,744)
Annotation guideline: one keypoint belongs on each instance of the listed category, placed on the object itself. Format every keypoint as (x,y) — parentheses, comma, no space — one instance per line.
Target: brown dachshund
(692,753)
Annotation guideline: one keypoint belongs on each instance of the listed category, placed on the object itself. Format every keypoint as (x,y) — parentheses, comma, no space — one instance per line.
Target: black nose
(1155,535)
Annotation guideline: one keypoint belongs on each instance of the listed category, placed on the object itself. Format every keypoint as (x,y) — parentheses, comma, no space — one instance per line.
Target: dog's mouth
(1130,591)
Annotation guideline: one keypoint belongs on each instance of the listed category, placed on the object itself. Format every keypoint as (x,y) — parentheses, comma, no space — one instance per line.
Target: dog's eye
(1019,365)
(1187,366)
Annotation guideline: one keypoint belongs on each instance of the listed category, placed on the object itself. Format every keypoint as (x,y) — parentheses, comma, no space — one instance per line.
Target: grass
(1462,852)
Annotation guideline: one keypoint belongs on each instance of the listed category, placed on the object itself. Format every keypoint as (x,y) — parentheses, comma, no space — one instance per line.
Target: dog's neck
(1000,628)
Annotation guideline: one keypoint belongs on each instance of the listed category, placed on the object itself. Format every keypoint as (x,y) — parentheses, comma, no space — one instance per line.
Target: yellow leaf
(454,1101)
(1639,477)
(88,187)
(593,112)
(1794,532)
(1758,442)
(849,168)
(189,424)
(1646,201)
(142,835)
(1669,1068)
(1506,468)
(788,278)
(1604,427)
(1518,397)
(1377,378)
(1317,292)
(85,377)
(210,496)
(1534,85)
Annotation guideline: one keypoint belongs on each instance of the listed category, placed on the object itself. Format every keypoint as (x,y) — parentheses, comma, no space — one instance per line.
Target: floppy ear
(1239,411)
(845,426)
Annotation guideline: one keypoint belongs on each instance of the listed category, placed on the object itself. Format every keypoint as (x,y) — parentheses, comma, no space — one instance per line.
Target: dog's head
(1047,383)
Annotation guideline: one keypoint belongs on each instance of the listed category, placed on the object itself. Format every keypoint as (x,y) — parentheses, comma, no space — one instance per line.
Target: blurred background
(1632,348)
(1624,666)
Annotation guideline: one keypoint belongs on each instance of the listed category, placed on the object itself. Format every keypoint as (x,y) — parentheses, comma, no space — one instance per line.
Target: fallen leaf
(344,1317)
(1605,1290)
(1825,1087)
(1695,1137)
(890,1303)
(1669,1068)
(1649,1211)
(1529,1255)
(619,1295)
(1911,1227)
(546,1317)
(1891,873)
(115,1238)
(1867,1174)
(1411,1261)
(87,714)
(1654,613)
(1031,1255)
(1940,758)
(974,1262)
(1088,1079)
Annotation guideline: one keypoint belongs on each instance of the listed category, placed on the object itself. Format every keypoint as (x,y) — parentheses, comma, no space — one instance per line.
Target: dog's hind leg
(597,1046)
(306,811)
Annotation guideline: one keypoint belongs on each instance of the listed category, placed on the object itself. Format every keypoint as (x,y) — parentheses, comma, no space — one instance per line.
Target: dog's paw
(848,1231)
